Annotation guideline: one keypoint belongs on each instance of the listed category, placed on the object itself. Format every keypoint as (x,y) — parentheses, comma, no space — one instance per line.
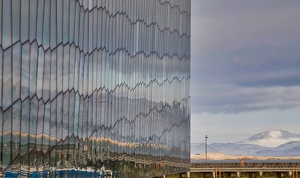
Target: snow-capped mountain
(257,145)
(288,149)
(271,138)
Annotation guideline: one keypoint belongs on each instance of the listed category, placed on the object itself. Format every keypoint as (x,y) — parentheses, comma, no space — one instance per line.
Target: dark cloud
(247,79)
(294,81)
(248,66)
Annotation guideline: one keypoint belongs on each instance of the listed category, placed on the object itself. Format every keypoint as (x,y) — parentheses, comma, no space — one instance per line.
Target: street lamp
(206,147)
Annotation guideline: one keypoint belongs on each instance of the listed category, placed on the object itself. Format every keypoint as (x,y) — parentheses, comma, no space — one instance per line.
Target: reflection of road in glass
(87,84)
(73,154)
(53,172)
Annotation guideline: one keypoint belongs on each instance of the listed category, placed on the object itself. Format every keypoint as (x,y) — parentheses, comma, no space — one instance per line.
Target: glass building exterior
(86,83)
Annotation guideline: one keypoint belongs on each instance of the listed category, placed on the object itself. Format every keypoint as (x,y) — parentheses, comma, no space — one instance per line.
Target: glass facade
(87,83)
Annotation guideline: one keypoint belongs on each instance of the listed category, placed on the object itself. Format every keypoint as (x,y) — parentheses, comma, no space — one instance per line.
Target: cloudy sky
(245,68)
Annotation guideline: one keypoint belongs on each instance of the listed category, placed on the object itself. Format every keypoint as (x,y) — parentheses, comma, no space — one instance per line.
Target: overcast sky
(245,68)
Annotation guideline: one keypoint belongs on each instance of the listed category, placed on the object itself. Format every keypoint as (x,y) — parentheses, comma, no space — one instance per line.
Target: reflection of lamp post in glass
(206,148)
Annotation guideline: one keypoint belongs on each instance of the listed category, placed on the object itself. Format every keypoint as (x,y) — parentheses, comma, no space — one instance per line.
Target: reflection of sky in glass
(76,82)
(7,79)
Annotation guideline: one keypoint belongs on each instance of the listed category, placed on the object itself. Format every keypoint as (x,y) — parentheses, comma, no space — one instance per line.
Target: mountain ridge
(285,144)
(271,138)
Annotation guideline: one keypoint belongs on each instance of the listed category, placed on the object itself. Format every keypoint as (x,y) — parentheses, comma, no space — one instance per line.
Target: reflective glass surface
(92,83)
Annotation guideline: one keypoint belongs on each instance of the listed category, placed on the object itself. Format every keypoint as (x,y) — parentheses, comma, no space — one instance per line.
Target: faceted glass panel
(89,83)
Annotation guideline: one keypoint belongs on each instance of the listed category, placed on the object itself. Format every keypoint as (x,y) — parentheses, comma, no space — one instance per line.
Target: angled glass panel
(46,130)
(99,27)
(65,126)
(85,46)
(46,25)
(16,11)
(25,71)
(59,22)
(85,119)
(95,116)
(81,29)
(76,114)
(7,80)
(76,25)
(76,71)
(85,4)
(40,73)
(16,71)
(93,58)
(53,14)
(53,132)
(24,20)
(53,123)
(1,31)
(1,130)
(65,117)
(59,115)
(39,25)
(95,26)
(66,21)
(72,66)
(90,75)
(109,37)
(103,29)
(33,68)
(33,19)
(91,34)
(25,126)
(98,69)
(66,66)
(81,74)
(59,68)
(90,117)
(71,113)
(80,118)
(7,20)
(34,106)
(6,138)
(40,124)
(72,20)
(46,82)
(86,76)
(53,77)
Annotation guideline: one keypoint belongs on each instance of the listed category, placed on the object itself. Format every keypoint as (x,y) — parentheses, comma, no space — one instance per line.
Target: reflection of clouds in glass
(24,20)
(40,73)
(7,79)
(25,70)
(40,119)
(33,115)
(33,68)
(96,93)
(6,20)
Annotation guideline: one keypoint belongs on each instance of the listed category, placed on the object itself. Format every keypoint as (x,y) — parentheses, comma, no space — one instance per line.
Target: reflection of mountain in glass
(86,84)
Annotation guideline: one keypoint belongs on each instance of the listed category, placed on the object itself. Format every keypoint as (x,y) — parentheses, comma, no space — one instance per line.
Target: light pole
(206,147)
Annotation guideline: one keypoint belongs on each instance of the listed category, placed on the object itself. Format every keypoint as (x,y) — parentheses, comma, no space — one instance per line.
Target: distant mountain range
(269,143)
